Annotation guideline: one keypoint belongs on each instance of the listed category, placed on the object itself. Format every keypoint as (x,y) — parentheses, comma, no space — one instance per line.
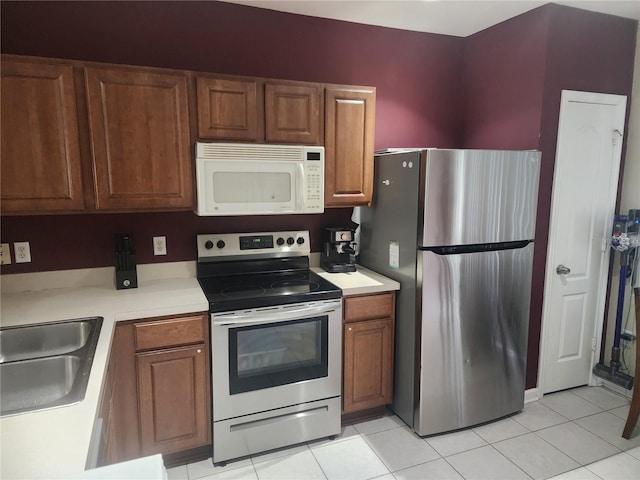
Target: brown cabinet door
(40,165)
(139,126)
(368,364)
(349,134)
(172,399)
(228,109)
(293,113)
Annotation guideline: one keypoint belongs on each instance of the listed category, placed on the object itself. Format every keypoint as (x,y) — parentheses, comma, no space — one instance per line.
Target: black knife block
(125,257)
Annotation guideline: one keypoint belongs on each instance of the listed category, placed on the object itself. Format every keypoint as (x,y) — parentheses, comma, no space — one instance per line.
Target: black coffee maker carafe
(338,255)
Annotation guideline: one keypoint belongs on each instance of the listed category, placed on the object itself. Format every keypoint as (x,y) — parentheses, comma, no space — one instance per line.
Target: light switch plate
(5,254)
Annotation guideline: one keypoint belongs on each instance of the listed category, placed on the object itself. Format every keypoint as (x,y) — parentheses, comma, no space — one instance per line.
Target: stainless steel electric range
(276,342)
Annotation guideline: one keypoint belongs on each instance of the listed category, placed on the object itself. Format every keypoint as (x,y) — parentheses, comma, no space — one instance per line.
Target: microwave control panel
(314,187)
(314,180)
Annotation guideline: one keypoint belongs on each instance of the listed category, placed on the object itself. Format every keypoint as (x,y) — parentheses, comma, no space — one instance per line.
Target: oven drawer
(242,436)
(368,307)
(170,332)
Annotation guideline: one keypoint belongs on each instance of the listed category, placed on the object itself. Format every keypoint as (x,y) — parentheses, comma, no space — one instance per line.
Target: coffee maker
(338,255)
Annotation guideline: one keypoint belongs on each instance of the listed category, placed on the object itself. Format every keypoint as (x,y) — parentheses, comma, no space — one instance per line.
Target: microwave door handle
(300,197)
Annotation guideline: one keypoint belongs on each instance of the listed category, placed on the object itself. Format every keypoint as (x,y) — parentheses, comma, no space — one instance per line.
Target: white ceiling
(449,17)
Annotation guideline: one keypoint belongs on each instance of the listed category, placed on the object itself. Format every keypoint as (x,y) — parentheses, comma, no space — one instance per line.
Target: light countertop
(361,282)
(55,443)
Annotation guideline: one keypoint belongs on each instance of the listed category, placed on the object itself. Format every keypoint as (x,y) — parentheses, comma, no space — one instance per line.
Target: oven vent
(239,151)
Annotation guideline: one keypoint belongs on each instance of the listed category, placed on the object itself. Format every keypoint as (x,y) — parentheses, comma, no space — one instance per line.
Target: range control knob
(280,241)
(300,240)
(220,244)
(208,244)
(290,241)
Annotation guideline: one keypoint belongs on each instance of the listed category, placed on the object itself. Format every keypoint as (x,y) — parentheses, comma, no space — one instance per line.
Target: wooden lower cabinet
(172,399)
(107,453)
(159,398)
(368,352)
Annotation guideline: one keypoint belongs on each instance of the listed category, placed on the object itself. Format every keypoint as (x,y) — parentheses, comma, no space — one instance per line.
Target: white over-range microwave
(258,179)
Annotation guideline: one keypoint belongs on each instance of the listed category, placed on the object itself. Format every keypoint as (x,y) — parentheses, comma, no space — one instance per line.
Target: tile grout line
(566,454)
(601,437)
(316,460)
(376,453)
(607,390)
(509,460)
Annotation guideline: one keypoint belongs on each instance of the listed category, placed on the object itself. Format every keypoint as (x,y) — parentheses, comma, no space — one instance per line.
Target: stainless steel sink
(43,340)
(46,365)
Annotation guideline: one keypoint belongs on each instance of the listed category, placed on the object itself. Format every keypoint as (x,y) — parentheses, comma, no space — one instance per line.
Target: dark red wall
(417,76)
(587,52)
(514,74)
(60,242)
(504,74)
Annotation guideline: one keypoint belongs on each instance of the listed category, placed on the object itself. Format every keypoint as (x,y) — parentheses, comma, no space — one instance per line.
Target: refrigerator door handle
(485,247)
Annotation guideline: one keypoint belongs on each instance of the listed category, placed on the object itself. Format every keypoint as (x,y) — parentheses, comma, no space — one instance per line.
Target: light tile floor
(570,435)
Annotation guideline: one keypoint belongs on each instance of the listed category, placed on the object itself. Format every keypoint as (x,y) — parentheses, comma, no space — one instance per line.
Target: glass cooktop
(235,292)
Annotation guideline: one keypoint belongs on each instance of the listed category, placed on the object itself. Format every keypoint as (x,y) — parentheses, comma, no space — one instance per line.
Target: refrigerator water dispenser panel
(394,255)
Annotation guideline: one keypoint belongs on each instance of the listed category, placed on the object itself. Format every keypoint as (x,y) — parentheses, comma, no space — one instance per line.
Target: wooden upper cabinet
(349,136)
(41,166)
(228,109)
(123,140)
(139,127)
(293,113)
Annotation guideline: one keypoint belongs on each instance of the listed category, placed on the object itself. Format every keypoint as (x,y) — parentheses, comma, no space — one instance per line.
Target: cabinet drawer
(369,307)
(170,332)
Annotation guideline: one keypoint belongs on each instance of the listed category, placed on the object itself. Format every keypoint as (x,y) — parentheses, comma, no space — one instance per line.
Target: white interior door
(584,192)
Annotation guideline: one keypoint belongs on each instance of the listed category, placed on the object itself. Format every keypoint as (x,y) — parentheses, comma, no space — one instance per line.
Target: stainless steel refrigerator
(455,228)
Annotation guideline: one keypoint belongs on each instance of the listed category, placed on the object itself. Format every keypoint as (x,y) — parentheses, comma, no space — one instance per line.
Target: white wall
(630,198)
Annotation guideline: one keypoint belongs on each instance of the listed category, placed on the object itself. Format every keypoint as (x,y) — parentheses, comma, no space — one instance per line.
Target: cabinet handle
(349,328)
(199,351)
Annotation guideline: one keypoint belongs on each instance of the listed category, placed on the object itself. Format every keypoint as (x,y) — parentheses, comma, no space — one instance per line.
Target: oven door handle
(280,315)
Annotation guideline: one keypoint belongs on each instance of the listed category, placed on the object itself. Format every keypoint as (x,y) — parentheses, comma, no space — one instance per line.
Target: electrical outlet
(22,252)
(5,254)
(159,245)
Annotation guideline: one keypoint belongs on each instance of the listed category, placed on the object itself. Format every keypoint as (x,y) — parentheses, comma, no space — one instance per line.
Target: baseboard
(532,395)
(187,456)
(617,389)
(363,415)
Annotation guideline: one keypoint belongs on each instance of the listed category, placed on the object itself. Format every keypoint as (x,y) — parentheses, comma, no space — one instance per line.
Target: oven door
(275,357)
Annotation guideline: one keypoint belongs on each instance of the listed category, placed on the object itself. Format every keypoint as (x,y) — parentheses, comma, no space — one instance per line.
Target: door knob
(562,270)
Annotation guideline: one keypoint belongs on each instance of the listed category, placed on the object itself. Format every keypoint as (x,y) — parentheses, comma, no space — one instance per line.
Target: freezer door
(479,196)
(475,317)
